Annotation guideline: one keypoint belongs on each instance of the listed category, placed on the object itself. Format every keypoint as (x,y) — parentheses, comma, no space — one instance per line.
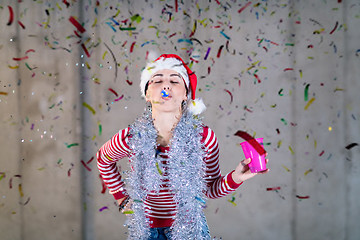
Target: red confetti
(30,50)
(132,47)
(84,164)
(257,78)
(21,24)
(129,82)
(288,69)
(113,91)
(219,51)
(176,6)
(272,188)
(11,16)
(90,160)
(251,140)
(302,197)
(231,96)
(19,59)
(243,8)
(336,24)
(85,50)
(77,24)
(117,99)
(321,153)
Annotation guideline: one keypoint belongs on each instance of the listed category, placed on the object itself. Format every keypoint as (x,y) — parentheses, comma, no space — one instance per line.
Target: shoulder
(208,135)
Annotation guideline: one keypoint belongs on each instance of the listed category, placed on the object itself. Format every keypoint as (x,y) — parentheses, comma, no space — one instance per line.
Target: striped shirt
(160,207)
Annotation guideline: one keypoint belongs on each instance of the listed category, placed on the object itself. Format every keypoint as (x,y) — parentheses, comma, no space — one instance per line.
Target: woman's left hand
(242,171)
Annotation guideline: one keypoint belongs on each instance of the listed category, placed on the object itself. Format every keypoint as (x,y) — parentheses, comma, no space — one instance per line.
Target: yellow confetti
(279,144)
(291,150)
(315,144)
(309,103)
(20,190)
(95,22)
(158,168)
(307,172)
(103,57)
(285,168)
(13,67)
(89,107)
(330,128)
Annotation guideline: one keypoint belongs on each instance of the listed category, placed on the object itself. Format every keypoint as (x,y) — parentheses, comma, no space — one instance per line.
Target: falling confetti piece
(309,103)
(208,51)
(11,15)
(307,172)
(306,92)
(351,145)
(231,95)
(219,51)
(89,107)
(71,145)
(336,25)
(20,190)
(103,208)
(251,140)
(287,169)
(272,188)
(79,27)
(128,212)
(158,168)
(243,8)
(302,197)
(86,166)
(291,150)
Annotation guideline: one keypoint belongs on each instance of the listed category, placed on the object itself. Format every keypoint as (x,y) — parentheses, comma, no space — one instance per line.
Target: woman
(174,159)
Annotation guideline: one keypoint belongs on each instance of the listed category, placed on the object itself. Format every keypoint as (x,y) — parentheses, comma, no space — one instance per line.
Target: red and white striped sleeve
(218,186)
(107,156)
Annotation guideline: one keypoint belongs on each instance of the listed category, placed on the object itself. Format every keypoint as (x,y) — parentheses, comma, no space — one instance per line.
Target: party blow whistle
(164,93)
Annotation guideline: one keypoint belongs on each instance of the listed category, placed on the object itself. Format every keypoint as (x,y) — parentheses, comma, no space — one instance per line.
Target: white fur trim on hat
(163,63)
(196,106)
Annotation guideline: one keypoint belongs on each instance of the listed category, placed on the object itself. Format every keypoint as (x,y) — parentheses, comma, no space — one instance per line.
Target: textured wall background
(287,71)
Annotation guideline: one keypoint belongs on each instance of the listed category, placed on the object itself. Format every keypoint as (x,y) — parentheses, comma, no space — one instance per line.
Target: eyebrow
(171,75)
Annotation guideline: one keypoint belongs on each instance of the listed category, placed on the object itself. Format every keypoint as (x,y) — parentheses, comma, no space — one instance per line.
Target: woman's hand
(127,208)
(242,171)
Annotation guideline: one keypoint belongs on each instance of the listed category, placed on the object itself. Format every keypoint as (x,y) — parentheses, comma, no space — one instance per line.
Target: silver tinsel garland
(186,172)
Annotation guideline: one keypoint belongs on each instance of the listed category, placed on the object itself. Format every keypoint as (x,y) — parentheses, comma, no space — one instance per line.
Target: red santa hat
(174,62)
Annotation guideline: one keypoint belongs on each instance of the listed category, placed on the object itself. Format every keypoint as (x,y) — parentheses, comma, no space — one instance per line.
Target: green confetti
(306,92)
(71,145)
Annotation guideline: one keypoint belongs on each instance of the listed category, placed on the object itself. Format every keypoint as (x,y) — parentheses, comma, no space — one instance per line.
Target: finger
(246,161)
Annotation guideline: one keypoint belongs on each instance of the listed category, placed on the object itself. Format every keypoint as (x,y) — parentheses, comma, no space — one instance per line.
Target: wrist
(236,178)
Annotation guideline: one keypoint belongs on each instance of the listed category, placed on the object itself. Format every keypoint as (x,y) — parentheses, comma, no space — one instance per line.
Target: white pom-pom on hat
(174,62)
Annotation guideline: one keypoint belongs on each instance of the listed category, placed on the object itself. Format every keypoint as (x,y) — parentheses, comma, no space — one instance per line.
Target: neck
(164,123)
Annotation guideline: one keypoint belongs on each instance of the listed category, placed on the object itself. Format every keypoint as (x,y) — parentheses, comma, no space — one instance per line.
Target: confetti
(272,188)
(78,26)
(351,145)
(306,92)
(71,145)
(103,208)
(251,140)
(243,8)
(231,95)
(309,103)
(308,171)
(89,107)
(11,16)
(336,24)
(302,197)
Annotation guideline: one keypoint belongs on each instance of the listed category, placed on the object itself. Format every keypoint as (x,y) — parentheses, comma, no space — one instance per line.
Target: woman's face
(171,82)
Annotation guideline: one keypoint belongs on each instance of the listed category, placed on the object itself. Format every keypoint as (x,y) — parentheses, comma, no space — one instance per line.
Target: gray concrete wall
(267,54)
